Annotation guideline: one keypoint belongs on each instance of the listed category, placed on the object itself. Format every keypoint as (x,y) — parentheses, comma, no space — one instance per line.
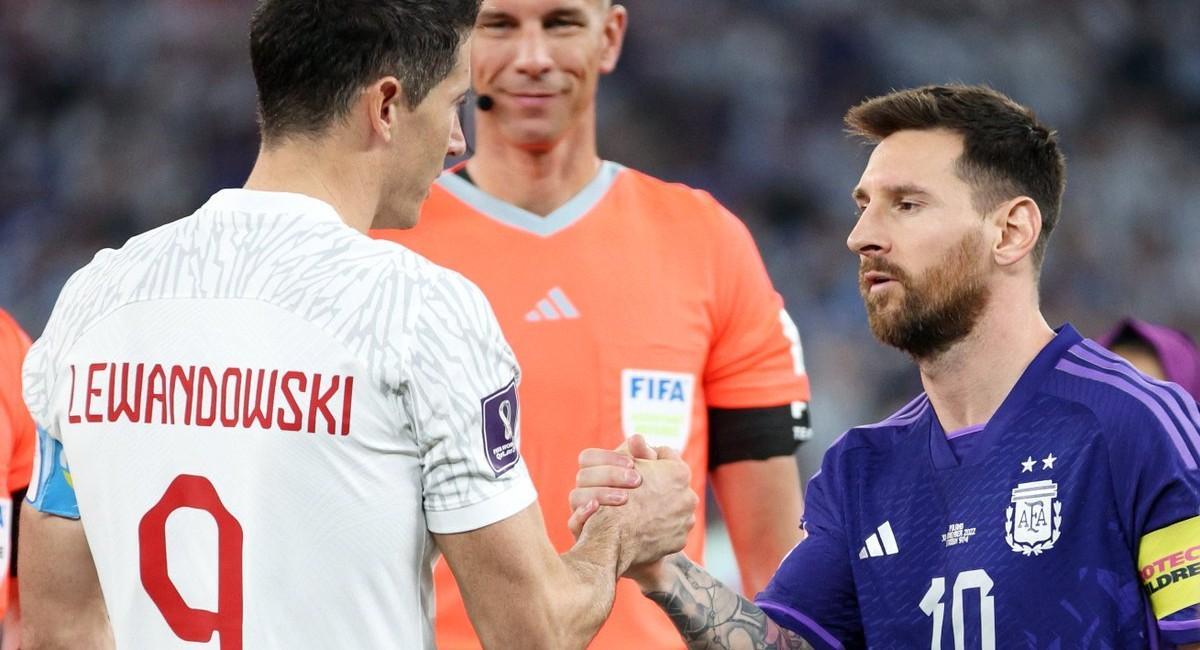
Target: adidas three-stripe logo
(554,307)
(880,543)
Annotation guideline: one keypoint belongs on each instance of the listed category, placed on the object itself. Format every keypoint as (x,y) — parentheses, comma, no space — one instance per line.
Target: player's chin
(883,313)
(538,133)
(880,302)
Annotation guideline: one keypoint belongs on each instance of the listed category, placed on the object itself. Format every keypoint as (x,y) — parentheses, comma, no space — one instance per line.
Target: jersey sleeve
(21,430)
(24,440)
(50,488)
(755,382)
(812,593)
(1155,471)
(465,410)
(756,358)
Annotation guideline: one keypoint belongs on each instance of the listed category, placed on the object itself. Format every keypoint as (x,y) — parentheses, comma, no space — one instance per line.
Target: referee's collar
(240,200)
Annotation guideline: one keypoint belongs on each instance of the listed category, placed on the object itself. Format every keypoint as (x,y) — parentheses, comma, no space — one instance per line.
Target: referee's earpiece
(485,102)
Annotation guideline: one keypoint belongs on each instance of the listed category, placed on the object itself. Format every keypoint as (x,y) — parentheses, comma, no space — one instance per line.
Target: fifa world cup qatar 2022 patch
(501,428)
(1169,563)
(658,405)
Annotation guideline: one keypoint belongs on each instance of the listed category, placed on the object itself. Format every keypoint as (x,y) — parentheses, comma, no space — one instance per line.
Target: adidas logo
(555,306)
(880,543)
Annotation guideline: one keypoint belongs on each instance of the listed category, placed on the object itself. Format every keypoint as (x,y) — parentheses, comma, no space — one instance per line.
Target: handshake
(645,493)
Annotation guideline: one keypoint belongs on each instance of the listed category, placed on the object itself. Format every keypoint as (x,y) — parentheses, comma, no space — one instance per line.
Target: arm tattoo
(711,616)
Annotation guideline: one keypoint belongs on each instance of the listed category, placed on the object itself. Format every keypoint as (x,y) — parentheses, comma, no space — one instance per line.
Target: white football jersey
(259,415)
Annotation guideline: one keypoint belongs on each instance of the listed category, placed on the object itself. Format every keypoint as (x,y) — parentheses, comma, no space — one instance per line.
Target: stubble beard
(936,310)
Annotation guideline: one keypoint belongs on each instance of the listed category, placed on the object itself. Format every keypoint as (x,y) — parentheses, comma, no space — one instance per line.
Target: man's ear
(1019,221)
(615,21)
(384,101)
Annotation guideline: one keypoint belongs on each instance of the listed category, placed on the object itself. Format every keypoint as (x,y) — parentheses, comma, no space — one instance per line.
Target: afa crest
(1034,520)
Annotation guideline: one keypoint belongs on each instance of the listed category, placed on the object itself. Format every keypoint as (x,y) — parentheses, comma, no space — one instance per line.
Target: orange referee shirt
(632,309)
(17,436)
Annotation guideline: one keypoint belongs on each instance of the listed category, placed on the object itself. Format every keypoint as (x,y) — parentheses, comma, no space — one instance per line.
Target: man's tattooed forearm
(710,615)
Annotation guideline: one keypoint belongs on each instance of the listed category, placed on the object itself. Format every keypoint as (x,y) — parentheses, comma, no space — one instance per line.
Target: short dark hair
(311,57)
(1007,152)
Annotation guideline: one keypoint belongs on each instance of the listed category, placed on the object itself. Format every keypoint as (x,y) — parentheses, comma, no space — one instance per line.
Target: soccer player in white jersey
(257,426)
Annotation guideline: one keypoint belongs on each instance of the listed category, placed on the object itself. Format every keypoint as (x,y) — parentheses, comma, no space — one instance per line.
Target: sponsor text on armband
(1169,563)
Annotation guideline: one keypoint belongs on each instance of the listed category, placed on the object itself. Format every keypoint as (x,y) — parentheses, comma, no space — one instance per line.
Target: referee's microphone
(485,102)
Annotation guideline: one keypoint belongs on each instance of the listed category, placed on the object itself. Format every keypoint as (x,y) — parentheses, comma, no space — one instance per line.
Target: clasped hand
(649,490)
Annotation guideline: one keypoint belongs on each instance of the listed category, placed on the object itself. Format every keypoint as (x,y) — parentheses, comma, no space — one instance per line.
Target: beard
(936,310)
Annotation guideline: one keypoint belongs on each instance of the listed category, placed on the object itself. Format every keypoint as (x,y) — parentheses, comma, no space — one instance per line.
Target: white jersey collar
(239,200)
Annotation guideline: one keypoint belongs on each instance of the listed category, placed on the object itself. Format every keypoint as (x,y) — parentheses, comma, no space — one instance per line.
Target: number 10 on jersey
(933,606)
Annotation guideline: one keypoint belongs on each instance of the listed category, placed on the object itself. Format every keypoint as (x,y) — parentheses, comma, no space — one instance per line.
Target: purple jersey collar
(1027,386)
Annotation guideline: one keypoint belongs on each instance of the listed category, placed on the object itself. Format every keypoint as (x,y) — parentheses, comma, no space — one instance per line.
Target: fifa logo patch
(658,405)
(501,428)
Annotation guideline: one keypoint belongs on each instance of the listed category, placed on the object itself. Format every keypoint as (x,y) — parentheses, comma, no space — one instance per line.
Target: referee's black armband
(18,498)
(755,433)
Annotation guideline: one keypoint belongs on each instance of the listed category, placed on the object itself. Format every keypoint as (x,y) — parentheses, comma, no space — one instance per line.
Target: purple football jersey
(1024,532)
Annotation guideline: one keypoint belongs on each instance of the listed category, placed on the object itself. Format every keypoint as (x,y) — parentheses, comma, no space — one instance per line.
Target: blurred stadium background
(120,115)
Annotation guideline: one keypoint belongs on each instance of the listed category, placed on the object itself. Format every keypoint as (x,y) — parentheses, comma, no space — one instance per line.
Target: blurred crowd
(120,115)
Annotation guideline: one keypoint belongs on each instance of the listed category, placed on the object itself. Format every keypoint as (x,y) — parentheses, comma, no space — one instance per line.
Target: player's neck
(539,180)
(320,173)
(967,383)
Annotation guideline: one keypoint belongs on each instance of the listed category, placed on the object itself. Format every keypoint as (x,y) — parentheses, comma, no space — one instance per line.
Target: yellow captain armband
(1169,563)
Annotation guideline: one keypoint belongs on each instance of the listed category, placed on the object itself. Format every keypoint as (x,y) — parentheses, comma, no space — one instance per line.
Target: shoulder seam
(908,414)
(1180,428)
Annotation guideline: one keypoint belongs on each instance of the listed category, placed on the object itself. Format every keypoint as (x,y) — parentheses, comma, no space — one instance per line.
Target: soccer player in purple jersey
(1040,493)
